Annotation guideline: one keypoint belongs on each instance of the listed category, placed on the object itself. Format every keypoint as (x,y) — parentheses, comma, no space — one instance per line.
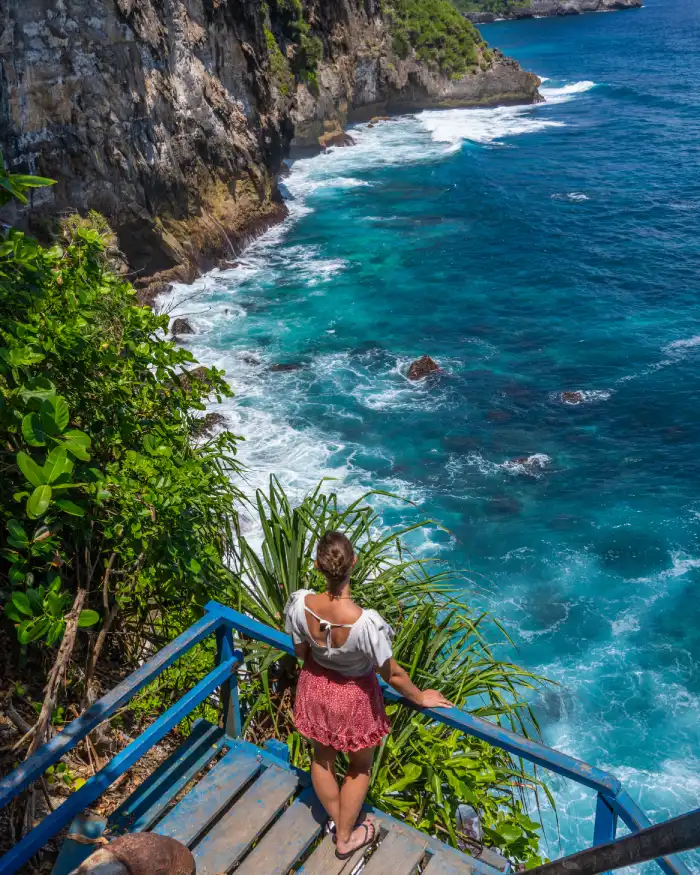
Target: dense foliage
(495,7)
(436,32)
(110,512)
(305,48)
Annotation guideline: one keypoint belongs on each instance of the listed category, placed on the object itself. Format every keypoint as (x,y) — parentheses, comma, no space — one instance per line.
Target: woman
(339,703)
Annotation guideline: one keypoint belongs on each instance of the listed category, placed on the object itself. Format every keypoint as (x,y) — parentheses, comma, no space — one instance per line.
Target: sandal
(361,821)
(369,839)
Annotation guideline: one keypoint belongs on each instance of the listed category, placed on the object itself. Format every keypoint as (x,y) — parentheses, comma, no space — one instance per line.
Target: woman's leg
(324,780)
(352,795)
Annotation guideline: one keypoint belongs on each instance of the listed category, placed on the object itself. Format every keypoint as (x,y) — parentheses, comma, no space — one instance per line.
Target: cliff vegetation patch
(438,34)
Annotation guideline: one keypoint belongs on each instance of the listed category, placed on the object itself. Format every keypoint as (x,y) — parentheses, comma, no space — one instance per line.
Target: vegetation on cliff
(495,7)
(439,35)
(117,525)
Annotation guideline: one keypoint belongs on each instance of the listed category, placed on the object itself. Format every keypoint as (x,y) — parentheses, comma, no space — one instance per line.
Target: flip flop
(361,820)
(369,839)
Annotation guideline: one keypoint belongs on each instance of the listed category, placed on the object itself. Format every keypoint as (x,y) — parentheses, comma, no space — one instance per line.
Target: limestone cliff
(171,117)
(549,8)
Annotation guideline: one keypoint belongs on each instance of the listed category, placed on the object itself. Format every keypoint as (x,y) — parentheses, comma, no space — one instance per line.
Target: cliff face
(549,8)
(171,117)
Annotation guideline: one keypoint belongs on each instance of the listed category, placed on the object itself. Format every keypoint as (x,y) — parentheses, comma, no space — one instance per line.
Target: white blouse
(368,645)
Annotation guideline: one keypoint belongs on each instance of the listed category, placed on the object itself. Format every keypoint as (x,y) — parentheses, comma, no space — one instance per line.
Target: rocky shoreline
(552,8)
(173,121)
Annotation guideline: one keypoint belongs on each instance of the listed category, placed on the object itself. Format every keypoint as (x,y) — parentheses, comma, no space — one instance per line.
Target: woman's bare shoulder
(336,611)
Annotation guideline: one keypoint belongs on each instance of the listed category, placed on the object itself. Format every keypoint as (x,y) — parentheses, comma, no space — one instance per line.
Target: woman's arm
(398,678)
(302,650)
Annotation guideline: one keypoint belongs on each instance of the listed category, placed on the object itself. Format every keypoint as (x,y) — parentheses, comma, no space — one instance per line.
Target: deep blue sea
(531,251)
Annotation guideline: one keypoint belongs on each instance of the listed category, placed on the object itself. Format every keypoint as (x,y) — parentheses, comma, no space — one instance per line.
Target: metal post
(605,823)
(230,708)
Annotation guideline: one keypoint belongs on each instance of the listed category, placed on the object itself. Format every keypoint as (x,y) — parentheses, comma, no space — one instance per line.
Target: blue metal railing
(612,800)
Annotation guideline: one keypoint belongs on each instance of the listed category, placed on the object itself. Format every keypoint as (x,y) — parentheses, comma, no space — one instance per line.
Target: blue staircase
(240,806)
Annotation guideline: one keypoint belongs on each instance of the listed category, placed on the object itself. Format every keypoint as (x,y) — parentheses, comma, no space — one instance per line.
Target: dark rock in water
(181,326)
(340,139)
(206,426)
(200,374)
(250,358)
(283,368)
(379,118)
(285,192)
(499,416)
(370,125)
(572,397)
(142,853)
(422,367)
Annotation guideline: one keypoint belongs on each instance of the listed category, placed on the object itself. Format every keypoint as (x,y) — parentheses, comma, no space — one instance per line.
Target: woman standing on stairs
(339,703)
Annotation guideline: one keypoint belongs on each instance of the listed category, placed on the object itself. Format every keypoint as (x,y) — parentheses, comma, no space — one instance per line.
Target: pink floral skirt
(346,713)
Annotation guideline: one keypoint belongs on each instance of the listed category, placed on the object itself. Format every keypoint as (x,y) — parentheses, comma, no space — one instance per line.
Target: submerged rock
(207,425)
(181,326)
(572,397)
(340,139)
(283,368)
(421,367)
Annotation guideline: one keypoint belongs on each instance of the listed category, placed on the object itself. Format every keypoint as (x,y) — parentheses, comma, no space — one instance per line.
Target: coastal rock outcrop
(172,120)
(550,8)
(181,326)
(422,367)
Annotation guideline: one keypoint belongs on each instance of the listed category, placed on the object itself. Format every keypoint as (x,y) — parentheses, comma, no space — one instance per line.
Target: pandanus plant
(438,640)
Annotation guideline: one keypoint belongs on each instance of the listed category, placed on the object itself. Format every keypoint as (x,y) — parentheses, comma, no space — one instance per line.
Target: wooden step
(287,839)
(323,861)
(150,799)
(398,854)
(227,842)
(448,864)
(210,796)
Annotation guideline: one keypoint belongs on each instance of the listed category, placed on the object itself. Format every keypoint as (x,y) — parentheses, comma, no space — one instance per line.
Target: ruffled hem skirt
(345,713)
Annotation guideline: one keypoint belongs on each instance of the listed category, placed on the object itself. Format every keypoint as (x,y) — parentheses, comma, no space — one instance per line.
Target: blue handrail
(613,802)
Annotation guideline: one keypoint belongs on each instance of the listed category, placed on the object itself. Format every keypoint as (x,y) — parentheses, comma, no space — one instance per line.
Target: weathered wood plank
(323,861)
(287,840)
(205,801)
(398,854)
(228,841)
(145,805)
(444,864)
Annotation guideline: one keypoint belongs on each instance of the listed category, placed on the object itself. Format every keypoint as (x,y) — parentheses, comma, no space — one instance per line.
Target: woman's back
(342,613)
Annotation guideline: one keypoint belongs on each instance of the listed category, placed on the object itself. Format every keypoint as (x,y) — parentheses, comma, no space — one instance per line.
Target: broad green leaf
(17,537)
(55,632)
(39,388)
(77,450)
(34,474)
(54,603)
(56,464)
(88,618)
(75,436)
(38,502)
(12,613)
(21,602)
(61,412)
(70,507)
(33,430)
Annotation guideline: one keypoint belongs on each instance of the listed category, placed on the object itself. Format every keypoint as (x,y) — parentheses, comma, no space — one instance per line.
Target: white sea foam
(566,93)
(688,343)
(454,126)
(574,197)
(583,396)
(529,465)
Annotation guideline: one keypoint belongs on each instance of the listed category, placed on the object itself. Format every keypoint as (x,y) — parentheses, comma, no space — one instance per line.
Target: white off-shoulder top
(368,645)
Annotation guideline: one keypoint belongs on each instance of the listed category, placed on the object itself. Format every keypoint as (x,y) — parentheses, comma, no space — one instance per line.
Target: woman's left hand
(434,699)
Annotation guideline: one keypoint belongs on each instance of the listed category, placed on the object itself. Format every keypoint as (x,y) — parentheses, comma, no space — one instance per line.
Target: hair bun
(335,557)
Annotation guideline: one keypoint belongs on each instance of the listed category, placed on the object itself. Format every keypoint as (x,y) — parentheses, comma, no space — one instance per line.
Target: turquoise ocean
(531,251)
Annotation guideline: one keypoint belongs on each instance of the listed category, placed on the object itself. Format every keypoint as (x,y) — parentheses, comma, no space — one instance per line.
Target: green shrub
(439,35)
(281,73)
(110,516)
